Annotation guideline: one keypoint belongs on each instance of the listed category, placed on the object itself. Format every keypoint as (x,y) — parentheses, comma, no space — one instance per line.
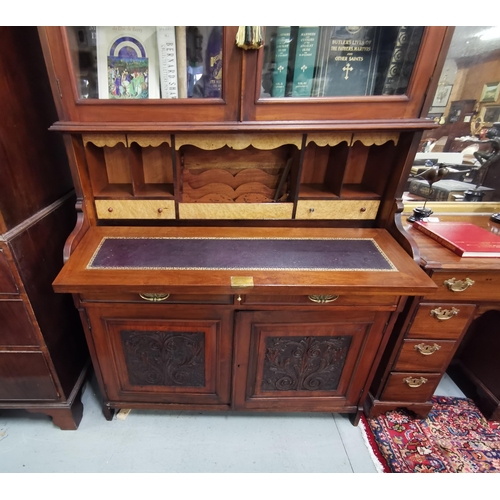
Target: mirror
(466,106)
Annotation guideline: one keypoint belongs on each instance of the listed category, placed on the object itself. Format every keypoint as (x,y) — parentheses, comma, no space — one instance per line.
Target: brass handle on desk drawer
(444,314)
(426,349)
(414,381)
(322,299)
(458,286)
(154,297)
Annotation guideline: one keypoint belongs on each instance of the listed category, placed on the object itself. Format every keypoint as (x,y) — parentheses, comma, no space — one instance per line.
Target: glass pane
(147,62)
(466,106)
(327,61)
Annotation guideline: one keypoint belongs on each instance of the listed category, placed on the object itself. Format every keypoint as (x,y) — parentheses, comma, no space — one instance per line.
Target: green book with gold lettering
(281,53)
(305,60)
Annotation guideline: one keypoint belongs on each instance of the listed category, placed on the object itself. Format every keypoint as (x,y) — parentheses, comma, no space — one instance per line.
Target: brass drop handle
(458,285)
(426,349)
(322,299)
(444,314)
(414,382)
(154,297)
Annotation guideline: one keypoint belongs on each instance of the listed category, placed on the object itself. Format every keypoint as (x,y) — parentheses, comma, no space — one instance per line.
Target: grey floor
(154,441)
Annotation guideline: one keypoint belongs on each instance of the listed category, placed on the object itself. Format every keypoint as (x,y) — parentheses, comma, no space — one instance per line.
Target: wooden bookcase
(221,174)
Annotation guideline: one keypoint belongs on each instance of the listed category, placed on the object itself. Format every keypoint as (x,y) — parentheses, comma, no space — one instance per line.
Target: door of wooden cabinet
(162,355)
(304,361)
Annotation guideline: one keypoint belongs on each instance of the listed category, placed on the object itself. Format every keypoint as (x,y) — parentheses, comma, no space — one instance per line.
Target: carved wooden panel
(304,363)
(165,358)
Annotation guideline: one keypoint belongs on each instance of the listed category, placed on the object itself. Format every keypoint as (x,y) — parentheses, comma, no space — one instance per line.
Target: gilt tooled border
(167,268)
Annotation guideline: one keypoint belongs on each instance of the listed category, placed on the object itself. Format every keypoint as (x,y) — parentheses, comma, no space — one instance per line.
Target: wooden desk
(444,327)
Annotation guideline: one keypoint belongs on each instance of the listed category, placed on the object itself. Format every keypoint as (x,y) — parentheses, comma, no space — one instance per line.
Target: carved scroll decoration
(153,140)
(165,358)
(329,138)
(211,142)
(304,363)
(375,139)
(101,140)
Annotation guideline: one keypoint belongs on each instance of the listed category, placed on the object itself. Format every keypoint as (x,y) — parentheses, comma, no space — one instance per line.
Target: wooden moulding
(337,209)
(135,209)
(235,211)
(238,141)
(102,140)
(329,138)
(149,140)
(375,139)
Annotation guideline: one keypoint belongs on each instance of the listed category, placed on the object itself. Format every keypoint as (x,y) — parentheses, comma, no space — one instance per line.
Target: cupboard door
(303,361)
(154,354)
(143,73)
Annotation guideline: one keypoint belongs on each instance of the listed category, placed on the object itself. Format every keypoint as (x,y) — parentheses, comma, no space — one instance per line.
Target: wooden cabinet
(231,227)
(431,333)
(43,356)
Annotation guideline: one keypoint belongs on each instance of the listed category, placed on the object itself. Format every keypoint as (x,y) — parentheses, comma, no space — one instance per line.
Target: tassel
(249,37)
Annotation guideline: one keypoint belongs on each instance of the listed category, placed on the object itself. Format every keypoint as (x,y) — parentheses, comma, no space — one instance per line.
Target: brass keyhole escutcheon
(322,299)
(426,349)
(414,382)
(444,314)
(154,297)
(458,285)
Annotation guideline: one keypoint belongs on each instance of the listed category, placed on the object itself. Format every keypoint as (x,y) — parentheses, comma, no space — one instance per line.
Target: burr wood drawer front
(424,355)
(337,209)
(440,321)
(415,387)
(466,286)
(235,211)
(135,209)
(160,297)
(322,299)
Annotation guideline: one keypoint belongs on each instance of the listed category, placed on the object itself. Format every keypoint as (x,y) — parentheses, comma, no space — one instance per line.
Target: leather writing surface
(311,254)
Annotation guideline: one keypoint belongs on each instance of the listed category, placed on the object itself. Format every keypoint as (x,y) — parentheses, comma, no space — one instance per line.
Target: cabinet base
(487,403)
(374,407)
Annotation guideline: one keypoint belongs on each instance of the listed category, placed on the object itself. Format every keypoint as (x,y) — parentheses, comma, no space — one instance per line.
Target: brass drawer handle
(426,349)
(444,314)
(414,381)
(322,299)
(154,297)
(458,285)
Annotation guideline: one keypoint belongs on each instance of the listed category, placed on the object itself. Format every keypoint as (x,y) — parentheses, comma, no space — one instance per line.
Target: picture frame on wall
(442,95)
(490,92)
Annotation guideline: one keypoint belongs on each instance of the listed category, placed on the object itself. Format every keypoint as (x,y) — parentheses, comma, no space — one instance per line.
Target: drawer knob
(154,297)
(414,381)
(444,314)
(110,209)
(458,285)
(160,210)
(322,299)
(426,349)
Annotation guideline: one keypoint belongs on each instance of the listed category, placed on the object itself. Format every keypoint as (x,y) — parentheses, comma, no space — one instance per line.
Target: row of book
(320,61)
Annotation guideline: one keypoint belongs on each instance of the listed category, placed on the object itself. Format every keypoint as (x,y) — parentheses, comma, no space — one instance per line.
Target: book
(463,238)
(127,62)
(346,62)
(281,53)
(180,45)
(443,190)
(305,59)
(402,60)
(165,36)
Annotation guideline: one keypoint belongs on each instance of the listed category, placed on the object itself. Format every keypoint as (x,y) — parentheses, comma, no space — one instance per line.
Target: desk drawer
(426,324)
(135,209)
(410,386)
(466,286)
(163,298)
(424,356)
(337,209)
(322,300)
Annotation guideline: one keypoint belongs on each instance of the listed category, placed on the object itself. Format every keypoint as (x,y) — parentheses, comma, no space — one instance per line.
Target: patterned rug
(455,437)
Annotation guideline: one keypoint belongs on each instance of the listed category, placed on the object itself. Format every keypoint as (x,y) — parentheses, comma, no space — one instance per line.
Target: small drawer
(337,209)
(410,386)
(159,298)
(135,209)
(429,322)
(322,300)
(424,355)
(235,211)
(466,286)
(7,280)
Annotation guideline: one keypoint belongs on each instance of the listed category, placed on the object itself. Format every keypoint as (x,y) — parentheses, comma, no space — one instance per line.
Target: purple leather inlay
(240,254)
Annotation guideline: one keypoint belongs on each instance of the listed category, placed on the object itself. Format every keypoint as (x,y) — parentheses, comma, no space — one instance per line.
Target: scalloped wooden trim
(101,140)
(377,139)
(146,140)
(238,141)
(329,138)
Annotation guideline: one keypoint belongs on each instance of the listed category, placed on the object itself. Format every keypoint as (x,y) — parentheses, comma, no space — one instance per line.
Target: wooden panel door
(304,361)
(160,354)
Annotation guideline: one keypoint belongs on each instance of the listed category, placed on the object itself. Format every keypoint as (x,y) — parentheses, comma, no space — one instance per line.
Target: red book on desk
(463,238)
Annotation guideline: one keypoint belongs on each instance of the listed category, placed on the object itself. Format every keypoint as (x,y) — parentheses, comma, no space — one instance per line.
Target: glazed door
(153,353)
(130,74)
(304,361)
